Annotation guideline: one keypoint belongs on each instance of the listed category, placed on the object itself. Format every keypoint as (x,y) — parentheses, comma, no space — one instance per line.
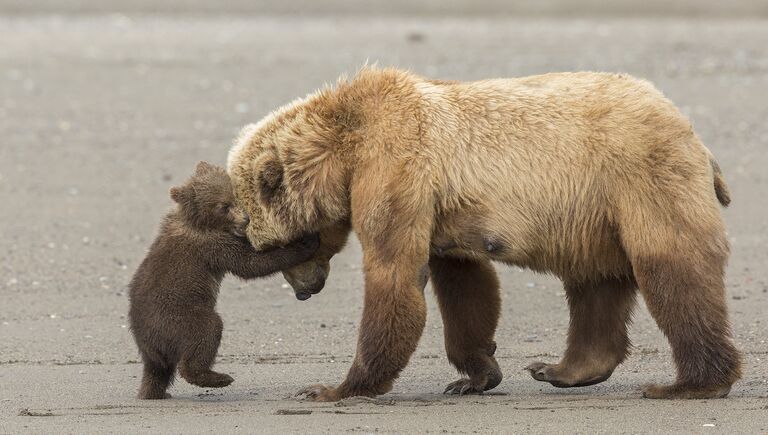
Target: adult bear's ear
(270,179)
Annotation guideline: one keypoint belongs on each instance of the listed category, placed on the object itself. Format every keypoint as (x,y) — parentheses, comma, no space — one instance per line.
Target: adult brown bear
(594,177)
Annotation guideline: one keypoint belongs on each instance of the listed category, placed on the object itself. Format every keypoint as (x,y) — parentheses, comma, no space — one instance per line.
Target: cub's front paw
(319,393)
(309,242)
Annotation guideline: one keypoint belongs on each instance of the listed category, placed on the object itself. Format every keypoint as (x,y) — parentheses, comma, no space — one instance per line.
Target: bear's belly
(525,244)
(485,245)
(479,236)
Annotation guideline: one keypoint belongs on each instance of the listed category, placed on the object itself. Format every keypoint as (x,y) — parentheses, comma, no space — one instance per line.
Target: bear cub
(173,292)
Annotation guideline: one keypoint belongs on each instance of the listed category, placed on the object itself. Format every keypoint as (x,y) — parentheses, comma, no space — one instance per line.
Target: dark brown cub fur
(173,293)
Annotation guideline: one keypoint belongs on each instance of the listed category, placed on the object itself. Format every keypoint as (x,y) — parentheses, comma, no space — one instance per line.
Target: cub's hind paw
(220,380)
(153,396)
(211,380)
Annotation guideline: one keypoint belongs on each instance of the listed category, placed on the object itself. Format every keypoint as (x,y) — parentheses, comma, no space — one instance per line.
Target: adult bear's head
(290,173)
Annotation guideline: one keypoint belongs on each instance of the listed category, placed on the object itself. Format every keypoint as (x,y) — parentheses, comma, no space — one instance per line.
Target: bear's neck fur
(332,136)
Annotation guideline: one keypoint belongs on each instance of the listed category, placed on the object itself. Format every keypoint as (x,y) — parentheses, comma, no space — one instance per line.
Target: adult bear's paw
(562,376)
(320,393)
(682,391)
(465,386)
(477,384)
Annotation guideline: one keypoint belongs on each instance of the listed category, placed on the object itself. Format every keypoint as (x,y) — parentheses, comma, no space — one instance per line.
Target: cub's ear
(203,168)
(270,179)
(180,194)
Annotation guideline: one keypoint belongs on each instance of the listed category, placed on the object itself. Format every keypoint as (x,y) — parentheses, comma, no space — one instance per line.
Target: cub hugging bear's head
(296,189)
(173,292)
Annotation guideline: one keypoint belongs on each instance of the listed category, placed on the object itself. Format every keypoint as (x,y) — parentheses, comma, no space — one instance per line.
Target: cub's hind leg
(200,353)
(597,336)
(156,378)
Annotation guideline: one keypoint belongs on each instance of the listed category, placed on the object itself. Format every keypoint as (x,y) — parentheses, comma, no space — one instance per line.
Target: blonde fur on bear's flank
(594,177)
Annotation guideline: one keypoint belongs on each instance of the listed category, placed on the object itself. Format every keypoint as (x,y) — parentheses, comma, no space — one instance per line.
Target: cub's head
(207,201)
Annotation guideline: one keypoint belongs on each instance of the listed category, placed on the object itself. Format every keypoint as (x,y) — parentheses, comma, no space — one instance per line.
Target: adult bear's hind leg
(468,294)
(679,262)
(686,298)
(597,335)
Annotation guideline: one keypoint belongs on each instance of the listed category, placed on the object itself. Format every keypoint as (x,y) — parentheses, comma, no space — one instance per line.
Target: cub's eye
(223,208)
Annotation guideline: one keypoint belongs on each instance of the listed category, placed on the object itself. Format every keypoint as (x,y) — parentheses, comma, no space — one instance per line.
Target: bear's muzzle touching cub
(596,178)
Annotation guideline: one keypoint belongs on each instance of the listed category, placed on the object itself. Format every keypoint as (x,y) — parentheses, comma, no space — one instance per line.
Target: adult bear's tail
(721,189)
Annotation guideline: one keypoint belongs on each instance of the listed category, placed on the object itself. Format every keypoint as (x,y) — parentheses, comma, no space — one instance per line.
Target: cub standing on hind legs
(173,293)
(594,177)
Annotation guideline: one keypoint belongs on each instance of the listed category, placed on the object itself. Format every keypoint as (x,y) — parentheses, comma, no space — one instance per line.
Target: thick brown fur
(594,177)
(173,292)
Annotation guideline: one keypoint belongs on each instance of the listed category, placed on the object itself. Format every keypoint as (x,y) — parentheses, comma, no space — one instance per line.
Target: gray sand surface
(100,113)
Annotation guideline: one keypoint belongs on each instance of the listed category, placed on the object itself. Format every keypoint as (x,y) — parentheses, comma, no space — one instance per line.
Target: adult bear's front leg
(393,320)
(393,221)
